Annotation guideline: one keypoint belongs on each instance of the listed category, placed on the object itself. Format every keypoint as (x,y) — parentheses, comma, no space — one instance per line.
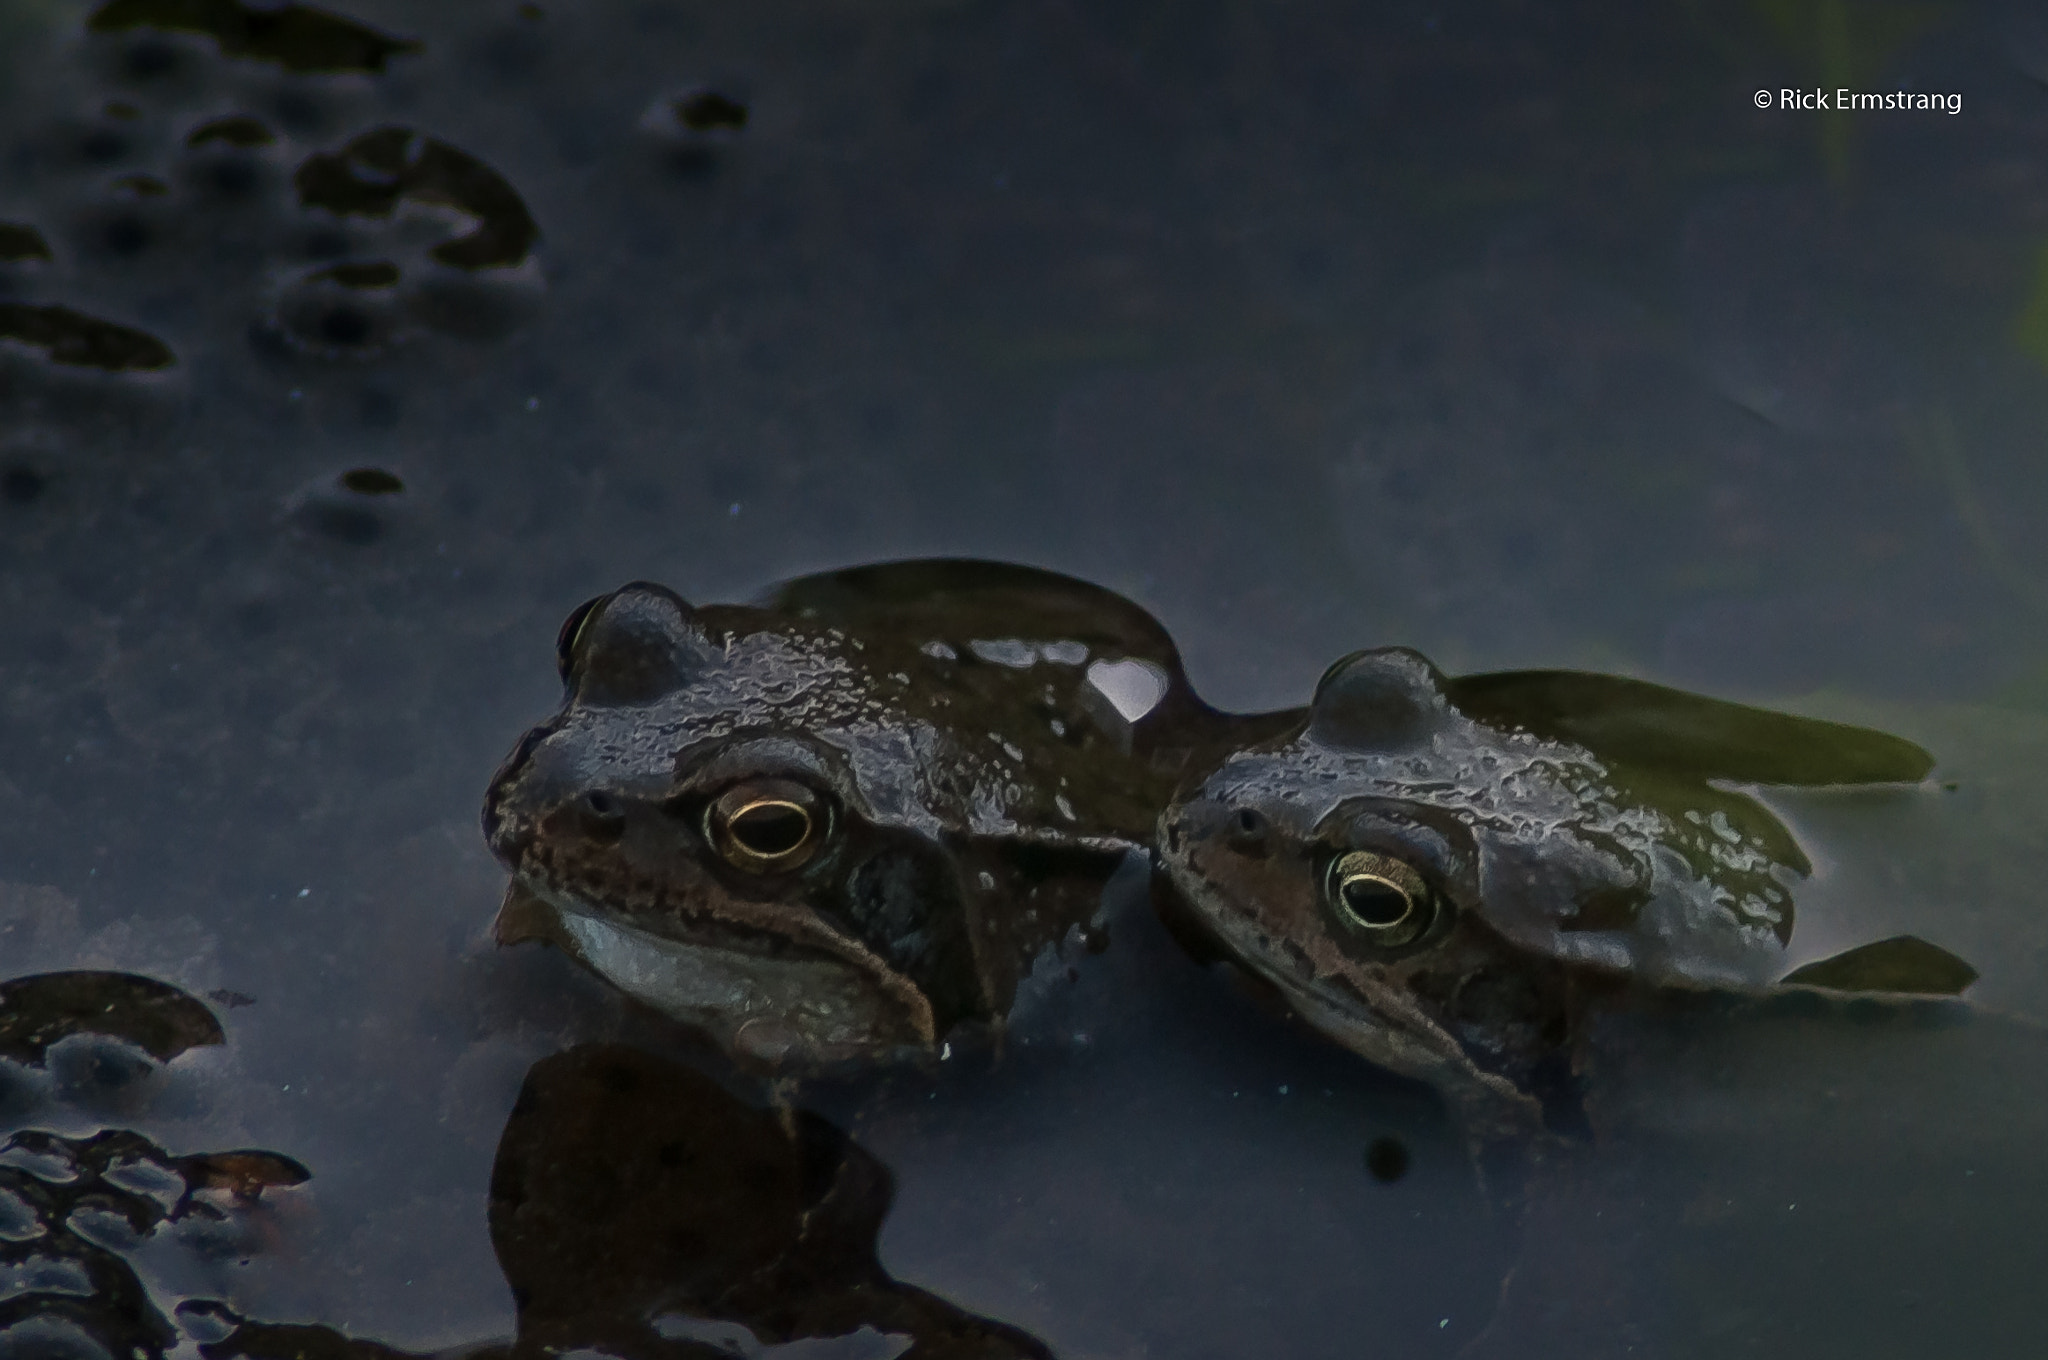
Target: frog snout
(536,803)
(597,814)
(1180,826)
(1213,821)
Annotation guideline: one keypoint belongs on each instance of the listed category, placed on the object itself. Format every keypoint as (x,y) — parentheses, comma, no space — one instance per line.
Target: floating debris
(371,175)
(357,508)
(19,242)
(83,341)
(695,121)
(369,481)
(350,310)
(237,129)
(360,274)
(43,1009)
(244,1173)
(708,110)
(296,37)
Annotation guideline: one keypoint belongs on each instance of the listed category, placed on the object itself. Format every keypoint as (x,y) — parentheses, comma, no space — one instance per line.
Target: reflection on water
(1516,334)
(635,1205)
(1803,1198)
(94,1226)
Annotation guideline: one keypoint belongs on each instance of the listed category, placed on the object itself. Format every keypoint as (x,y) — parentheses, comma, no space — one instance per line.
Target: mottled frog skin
(1441,873)
(834,826)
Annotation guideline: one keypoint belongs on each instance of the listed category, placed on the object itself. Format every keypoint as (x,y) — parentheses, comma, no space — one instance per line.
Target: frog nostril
(602,812)
(1247,828)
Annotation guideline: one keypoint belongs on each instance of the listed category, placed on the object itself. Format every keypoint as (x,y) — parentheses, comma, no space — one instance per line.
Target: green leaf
(1903,964)
(1638,723)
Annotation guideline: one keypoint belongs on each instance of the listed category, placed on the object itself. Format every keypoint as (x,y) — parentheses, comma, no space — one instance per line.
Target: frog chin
(1355,1004)
(797,1009)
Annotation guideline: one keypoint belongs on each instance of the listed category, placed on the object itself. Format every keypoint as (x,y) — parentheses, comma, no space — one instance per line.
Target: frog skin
(831,827)
(1443,874)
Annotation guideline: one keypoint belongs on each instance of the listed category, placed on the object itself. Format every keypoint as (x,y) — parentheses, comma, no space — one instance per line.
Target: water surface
(1516,334)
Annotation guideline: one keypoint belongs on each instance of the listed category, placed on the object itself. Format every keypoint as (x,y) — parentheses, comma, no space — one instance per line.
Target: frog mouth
(1359,1006)
(785,1007)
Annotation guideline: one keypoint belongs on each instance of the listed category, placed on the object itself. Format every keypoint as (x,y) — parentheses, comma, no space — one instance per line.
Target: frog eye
(572,629)
(767,826)
(633,646)
(1381,896)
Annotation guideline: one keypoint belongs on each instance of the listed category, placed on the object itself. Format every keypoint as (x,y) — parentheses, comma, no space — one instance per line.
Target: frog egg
(696,123)
(353,310)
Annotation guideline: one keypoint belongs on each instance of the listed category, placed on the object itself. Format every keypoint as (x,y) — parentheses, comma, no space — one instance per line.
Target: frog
(1448,875)
(841,824)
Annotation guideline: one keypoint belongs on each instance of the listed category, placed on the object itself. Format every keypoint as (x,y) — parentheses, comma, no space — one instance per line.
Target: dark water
(1515,333)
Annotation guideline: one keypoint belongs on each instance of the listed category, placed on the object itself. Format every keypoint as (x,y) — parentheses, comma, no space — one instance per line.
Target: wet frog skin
(836,825)
(1442,874)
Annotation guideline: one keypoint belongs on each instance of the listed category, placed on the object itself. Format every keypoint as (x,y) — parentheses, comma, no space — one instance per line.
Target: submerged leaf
(1639,723)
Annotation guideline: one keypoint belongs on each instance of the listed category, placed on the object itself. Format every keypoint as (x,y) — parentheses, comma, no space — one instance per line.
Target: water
(1517,334)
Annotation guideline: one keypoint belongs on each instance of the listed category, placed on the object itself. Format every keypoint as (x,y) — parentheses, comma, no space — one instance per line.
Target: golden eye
(767,826)
(1381,896)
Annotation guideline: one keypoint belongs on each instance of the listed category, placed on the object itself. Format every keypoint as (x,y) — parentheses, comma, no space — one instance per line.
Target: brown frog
(1442,874)
(837,824)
